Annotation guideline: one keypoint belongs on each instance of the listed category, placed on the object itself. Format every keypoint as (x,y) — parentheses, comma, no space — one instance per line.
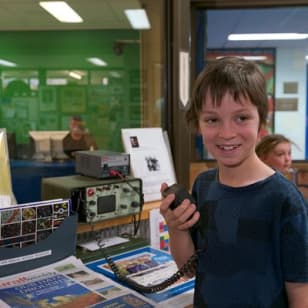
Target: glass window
(283,62)
(109,77)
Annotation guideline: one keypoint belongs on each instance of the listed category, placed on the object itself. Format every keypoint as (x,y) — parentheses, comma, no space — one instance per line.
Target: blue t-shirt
(251,240)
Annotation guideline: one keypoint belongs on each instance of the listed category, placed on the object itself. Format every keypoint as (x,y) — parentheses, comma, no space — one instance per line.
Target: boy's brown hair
(239,77)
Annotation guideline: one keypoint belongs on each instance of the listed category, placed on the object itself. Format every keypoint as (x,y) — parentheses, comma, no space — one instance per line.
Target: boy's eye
(242,118)
(210,120)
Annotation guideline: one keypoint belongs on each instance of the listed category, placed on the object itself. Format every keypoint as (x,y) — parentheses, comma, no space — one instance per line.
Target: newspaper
(67,284)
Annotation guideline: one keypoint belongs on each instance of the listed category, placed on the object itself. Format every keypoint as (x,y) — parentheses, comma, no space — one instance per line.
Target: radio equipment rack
(96,200)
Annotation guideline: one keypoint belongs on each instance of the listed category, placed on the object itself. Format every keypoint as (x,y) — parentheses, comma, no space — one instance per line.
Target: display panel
(106,204)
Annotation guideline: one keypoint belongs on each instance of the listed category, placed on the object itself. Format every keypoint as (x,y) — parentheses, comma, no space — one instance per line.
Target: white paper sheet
(150,159)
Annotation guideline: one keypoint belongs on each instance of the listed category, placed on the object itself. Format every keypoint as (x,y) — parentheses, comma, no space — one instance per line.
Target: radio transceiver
(94,199)
(100,164)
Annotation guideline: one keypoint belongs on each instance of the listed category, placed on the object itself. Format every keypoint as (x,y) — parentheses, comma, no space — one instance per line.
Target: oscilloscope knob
(134,204)
(91,214)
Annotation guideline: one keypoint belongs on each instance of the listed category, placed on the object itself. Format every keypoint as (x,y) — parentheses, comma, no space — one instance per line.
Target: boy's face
(229,131)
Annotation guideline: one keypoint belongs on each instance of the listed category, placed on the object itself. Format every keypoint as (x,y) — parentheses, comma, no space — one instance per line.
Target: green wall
(39,94)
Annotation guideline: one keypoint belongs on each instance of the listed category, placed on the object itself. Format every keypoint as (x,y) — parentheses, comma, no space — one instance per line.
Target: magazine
(66,284)
(25,224)
(148,266)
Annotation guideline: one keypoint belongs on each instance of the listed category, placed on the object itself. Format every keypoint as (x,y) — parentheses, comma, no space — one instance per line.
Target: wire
(116,173)
(188,267)
(136,220)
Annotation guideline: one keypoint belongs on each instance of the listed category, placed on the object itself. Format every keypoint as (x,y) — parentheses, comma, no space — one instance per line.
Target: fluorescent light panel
(56,81)
(75,75)
(61,11)
(105,81)
(267,36)
(138,18)
(249,58)
(97,61)
(115,74)
(7,63)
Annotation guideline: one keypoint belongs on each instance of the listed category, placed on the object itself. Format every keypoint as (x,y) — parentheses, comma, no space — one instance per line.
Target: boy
(251,238)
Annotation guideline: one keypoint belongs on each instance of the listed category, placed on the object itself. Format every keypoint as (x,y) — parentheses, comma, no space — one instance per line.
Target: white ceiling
(109,14)
(97,14)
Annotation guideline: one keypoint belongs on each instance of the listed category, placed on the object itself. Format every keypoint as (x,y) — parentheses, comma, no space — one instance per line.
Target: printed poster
(151,159)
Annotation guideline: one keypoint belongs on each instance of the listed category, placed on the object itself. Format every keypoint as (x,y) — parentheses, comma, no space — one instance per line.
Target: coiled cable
(188,267)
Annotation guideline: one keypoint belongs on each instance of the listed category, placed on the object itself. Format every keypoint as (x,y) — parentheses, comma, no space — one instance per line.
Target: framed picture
(47,98)
(73,99)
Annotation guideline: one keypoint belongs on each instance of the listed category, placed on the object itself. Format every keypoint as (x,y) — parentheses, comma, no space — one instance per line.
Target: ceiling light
(61,11)
(105,81)
(7,63)
(255,58)
(115,74)
(97,61)
(249,58)
(267,36)
(56,81)
(138,19)
(75,75)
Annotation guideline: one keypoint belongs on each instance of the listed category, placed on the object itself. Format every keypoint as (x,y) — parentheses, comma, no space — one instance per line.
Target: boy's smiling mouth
(228,147)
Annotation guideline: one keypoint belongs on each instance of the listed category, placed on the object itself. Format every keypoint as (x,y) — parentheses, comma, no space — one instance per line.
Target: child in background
(275,151)
(251,238)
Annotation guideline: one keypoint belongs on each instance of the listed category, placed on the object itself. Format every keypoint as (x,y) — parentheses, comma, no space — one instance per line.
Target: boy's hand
(181,218)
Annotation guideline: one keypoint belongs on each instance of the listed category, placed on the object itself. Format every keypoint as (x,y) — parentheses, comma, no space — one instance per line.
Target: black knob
(135,204)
